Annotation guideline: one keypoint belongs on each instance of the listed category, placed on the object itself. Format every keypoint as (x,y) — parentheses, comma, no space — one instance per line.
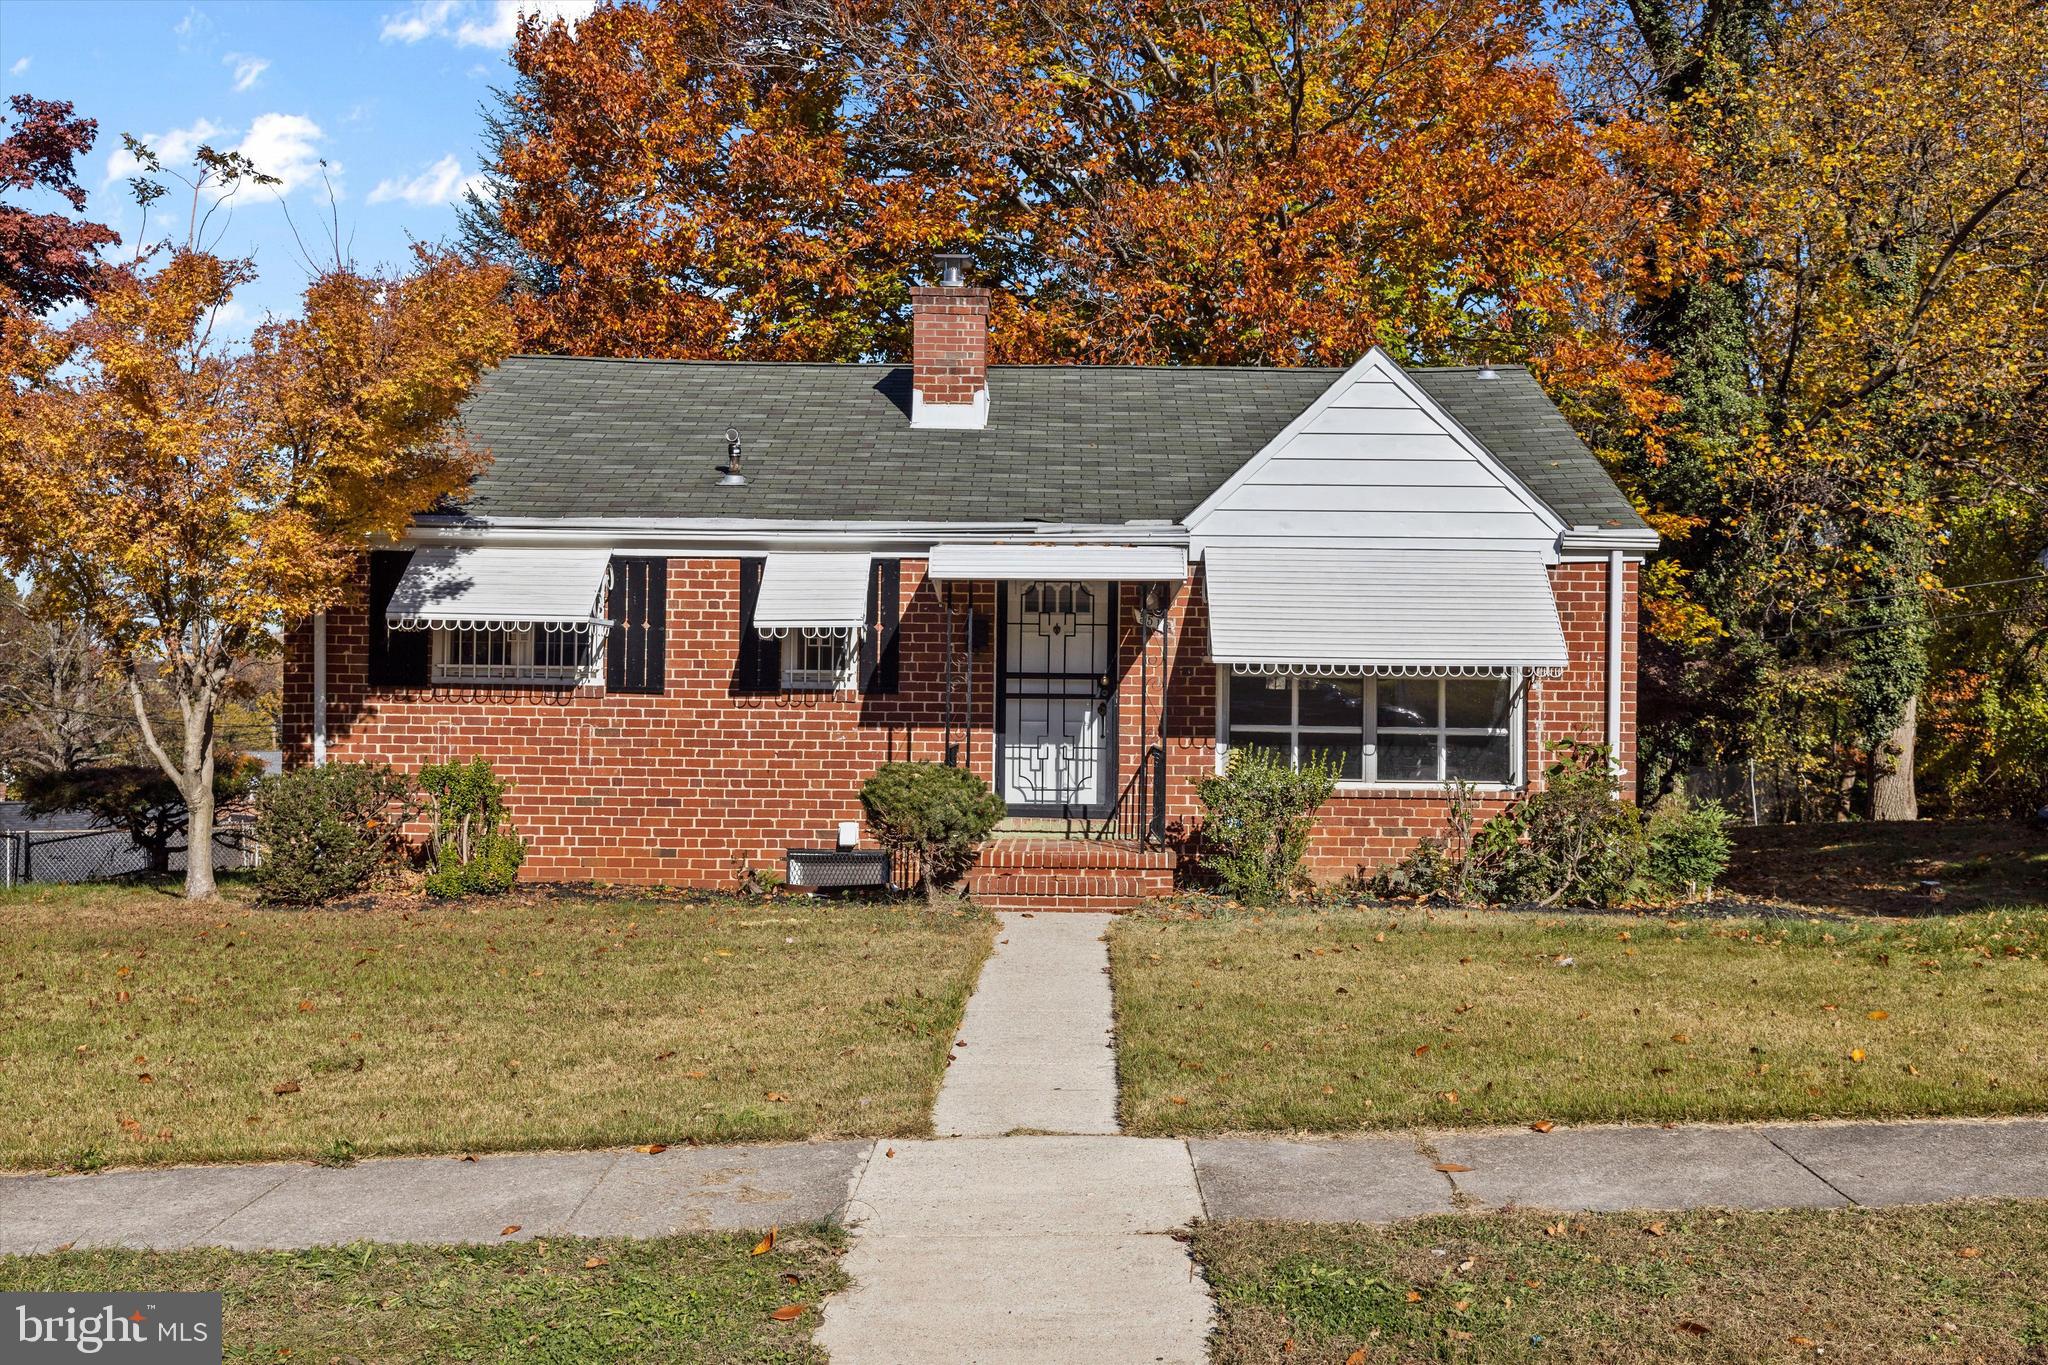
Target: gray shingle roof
(575,437)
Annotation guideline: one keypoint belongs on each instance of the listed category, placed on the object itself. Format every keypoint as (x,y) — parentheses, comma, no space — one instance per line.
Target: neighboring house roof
(593,438)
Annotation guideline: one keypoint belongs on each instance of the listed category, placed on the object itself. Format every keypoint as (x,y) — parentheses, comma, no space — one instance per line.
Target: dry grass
(697,1298)
(1879,868)
(137,1030)
(1350,1019)
(1957,1282)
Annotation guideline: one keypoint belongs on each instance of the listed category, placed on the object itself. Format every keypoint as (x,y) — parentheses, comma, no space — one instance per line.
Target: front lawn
(1957,1282)
(1359,1019)
(135,1029)
(693,1298)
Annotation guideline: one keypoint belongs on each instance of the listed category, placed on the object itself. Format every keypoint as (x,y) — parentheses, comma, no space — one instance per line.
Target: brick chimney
(949,351)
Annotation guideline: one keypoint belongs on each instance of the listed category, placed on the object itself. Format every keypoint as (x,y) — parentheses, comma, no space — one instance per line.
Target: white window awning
(813,594)
(1124,563)
(499,587)
(1382,610)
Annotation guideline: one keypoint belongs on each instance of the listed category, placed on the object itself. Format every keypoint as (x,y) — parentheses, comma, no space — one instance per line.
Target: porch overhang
(500,587)
(1415,611)
(1042,563)
(813,594)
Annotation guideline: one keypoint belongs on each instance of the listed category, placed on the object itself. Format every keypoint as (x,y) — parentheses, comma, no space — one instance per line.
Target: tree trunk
(1892,793)
(199,836)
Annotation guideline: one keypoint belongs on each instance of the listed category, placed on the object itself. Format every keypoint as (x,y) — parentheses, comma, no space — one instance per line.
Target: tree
(1274,182)
(185,499)
(46,259)
(142,800)
(59,708)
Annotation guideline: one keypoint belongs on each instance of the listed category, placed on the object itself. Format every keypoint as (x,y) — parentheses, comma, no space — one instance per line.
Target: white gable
(1374,461)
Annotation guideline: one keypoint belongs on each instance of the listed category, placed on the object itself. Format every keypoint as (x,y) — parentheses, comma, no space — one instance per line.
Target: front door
(1059,716)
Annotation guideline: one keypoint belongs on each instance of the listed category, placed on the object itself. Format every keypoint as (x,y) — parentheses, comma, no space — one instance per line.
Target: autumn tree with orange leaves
(185,497)
(1227,183)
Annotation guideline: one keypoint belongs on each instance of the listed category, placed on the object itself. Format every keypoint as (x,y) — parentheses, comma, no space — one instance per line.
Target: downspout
(1615,604)
(319,689)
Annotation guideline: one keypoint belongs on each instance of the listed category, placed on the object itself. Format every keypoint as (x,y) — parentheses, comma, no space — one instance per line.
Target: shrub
(1256,821)
(932,812)
(475,852)
(329,831)
(1689,848)
(139,798)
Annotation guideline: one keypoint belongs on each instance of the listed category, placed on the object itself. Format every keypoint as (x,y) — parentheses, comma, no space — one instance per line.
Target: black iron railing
(1139,817)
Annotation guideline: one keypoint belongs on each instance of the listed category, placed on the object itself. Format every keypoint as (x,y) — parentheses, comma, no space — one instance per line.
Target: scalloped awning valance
(499,587)
(1397,611)
(813,594)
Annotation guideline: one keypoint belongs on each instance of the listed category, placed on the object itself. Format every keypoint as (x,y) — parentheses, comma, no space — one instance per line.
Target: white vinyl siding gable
(1374,462)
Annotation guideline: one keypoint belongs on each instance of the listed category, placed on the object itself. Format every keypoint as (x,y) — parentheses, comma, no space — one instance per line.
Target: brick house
(690,606)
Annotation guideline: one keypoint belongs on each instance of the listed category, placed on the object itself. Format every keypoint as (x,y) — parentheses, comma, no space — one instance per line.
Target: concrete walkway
(1001,1250)
(1036,1050)
(433,1199)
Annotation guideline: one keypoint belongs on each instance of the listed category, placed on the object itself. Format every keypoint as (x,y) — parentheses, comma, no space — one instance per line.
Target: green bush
(1572,843)
(936,814)
(329,831)
(475,852)
(1256,821)
(1689,848)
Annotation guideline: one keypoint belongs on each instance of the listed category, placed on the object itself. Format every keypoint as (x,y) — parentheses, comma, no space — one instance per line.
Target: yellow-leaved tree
(187,498)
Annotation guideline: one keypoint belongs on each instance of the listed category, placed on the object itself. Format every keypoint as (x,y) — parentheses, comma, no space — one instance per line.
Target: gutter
(714,535)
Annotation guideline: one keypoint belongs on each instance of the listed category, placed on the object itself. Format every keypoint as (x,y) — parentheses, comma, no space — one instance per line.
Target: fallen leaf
(1542,1126)
(1681,1037)
(789,1312)
(776,1097)
(1424,1048)
(890,1153)
(508,1229)
(1879,1014)
(305,1007)
(1449,1096)
(1357,1357)
(652,1148)
(1177,1099)
(1655,1229)
(1855,1054)
(594,1262)
(1414,1297)
(146,1079)
(1450,1167)
(765,1245)
(1329,1090)
(467,1156)
(1698,1329)
(1800,1341)
(1970,1253)
(285,1088)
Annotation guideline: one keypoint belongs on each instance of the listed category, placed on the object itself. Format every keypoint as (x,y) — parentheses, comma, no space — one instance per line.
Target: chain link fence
(96,855)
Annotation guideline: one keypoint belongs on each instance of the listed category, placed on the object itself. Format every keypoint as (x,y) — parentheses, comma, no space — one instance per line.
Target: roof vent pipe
(1486,370)
(732,478)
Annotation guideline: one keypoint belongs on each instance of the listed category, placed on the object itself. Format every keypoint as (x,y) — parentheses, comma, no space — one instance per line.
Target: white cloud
(475,23)
(441,183)
(20,66)
(288,147)
(248,69)
(173,148)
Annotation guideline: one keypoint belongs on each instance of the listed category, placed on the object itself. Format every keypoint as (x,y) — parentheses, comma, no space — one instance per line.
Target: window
(1395,731)
(525,654)
(817,663)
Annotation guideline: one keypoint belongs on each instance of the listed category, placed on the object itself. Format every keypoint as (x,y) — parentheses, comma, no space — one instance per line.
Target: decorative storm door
(1058,717)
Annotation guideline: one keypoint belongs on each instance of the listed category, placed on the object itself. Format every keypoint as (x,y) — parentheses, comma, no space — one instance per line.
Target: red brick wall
(949,342)
(691,787)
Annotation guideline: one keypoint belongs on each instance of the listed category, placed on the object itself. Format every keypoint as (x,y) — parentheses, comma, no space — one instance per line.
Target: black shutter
(879,671)
(636,649)
(398,658)
(758,667)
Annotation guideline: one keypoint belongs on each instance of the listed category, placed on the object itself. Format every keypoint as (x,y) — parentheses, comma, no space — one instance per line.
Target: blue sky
(386,91)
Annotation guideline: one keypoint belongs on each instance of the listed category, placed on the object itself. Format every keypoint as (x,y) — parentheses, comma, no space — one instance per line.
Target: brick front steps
(1037,873)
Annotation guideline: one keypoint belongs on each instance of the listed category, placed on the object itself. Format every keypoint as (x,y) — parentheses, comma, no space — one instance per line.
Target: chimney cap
(952,268)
